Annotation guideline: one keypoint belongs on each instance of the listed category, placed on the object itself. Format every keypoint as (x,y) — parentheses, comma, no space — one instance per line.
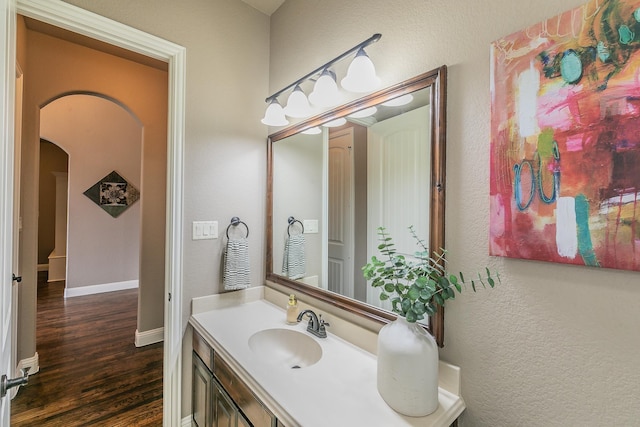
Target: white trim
(100,289)
(33,363)
(7,127)
(75,19)
(149,337)
(43,267)
(186,421)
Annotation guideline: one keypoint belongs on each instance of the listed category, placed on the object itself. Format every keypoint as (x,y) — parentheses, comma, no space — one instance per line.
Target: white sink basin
(285,347)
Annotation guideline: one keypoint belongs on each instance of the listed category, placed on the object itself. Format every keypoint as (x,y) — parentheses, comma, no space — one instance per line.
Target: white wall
(99,136)
(551,345)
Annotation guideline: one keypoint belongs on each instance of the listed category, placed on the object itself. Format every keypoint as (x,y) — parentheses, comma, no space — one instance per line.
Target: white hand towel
(293,264)
(236,264)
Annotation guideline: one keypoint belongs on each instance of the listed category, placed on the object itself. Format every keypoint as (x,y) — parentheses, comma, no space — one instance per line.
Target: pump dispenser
(292,310)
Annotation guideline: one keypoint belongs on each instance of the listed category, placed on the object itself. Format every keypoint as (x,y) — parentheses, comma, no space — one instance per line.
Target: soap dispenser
(292,310)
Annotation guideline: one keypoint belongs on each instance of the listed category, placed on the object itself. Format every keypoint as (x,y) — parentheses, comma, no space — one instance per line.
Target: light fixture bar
(374,38)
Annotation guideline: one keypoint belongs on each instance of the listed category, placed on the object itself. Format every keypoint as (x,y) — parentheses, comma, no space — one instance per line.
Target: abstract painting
(565,138)
(113,194)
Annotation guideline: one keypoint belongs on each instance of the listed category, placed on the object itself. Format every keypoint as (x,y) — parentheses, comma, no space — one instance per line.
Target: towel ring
(235,221)
(291,220)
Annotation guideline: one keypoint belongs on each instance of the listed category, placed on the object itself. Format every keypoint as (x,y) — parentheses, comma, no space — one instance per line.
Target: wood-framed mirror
(336,187)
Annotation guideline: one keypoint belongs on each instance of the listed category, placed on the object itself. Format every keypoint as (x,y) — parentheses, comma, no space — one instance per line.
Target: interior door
(7,99)
(340,217)
(398,172)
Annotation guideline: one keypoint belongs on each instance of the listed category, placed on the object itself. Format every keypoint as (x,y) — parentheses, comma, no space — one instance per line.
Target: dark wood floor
(91,373)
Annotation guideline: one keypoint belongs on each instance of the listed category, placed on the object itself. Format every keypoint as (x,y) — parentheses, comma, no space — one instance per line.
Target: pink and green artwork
(565,138)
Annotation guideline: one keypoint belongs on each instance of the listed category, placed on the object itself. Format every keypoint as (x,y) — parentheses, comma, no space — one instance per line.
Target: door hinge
(15,278)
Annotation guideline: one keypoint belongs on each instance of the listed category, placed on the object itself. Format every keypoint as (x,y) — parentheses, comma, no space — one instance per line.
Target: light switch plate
(310,226)
(204,230)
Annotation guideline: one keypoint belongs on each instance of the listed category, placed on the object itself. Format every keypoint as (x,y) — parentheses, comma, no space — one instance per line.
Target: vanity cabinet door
(242,421)
(201,398)
(225,413)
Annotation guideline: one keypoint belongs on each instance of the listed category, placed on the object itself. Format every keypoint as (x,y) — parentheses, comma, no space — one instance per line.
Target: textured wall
(99,136)
(553,344)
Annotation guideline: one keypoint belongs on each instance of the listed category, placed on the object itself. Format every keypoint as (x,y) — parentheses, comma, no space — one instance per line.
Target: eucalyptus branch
(417,286)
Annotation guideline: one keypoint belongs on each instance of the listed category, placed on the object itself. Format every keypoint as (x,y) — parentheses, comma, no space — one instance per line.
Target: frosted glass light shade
(361,75)
(274,116)
(325,91)
(364,113)
(312,131)
(297,104)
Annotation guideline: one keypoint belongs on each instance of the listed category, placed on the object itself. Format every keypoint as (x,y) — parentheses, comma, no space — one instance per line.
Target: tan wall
(54,67)
(100,136)
(551,345)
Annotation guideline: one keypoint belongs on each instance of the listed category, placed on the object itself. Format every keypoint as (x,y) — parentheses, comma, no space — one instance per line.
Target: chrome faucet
(316,325)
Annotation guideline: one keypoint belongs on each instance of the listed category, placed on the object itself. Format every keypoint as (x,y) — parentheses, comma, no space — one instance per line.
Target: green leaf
(414,293)
(406,305)
(438,299)
(389,287)
(411,317)
(426,294)
(384,297)
(419,308)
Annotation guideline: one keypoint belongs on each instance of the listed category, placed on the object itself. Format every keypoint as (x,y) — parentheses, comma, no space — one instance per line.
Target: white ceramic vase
(408,368)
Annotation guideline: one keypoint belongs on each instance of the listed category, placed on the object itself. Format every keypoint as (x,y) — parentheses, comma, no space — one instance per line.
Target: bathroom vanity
(252,368)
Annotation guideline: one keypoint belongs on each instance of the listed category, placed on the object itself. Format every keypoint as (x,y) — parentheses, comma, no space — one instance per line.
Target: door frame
(77,20)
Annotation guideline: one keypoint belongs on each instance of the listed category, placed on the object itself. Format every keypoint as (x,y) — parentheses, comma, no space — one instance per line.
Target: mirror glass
(330,190)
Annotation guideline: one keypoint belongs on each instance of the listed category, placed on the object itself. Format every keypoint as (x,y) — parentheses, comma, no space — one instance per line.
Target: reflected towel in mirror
(236,264)
(293,263)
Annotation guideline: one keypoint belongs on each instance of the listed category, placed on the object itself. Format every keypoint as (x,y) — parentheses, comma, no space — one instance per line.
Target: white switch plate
(310,226)
(205,230)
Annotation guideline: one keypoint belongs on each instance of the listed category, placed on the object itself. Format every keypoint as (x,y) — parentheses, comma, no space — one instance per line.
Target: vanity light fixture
(274,116)
(297,104)
(325,91)
(397,102)
(360,78)
(361,75)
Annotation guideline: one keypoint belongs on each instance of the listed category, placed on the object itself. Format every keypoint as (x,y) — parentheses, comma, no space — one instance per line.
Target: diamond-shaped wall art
(113,194)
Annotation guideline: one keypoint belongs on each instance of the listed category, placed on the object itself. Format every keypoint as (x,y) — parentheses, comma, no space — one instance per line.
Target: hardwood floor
(91,373)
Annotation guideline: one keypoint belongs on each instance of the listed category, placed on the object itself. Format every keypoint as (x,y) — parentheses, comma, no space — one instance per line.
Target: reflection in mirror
(383,167)
(377,169)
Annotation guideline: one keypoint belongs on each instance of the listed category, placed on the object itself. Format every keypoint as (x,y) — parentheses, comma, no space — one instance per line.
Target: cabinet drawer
(257,414)
(205,352)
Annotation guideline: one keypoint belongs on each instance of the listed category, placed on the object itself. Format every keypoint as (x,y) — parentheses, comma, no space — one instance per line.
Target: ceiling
(265,6)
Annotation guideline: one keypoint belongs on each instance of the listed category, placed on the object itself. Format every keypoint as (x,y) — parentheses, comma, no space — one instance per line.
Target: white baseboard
(186,422)
(149,337)
(34,367)
(98,289)
(43,267)
(33,363)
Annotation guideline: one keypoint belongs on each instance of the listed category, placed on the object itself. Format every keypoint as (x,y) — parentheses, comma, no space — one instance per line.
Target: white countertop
(339,390)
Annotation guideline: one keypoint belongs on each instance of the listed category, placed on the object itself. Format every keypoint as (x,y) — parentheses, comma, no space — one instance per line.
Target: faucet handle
(321,326)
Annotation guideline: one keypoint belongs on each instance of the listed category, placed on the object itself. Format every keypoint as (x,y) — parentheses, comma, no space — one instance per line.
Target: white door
(7,100)
(340,216)
(398,174)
